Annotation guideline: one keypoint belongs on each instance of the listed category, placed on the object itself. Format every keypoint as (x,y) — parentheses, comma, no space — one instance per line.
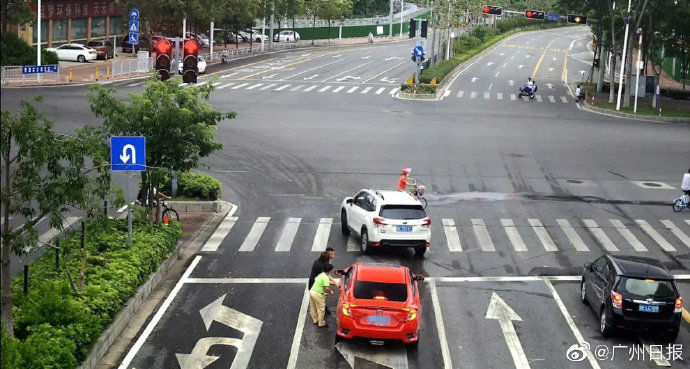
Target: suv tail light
(411,314)
(346,309)
(379,222)
(427,222)
(679,305)
(617,300)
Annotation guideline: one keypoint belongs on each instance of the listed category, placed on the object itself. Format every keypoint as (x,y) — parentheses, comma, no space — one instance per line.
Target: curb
(115,333)
(613,113)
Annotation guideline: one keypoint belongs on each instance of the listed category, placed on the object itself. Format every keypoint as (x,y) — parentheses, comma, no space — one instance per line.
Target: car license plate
(649,308)
(404,228)
(382,320)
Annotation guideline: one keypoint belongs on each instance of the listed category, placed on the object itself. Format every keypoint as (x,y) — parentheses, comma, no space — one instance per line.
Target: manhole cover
(574,181)
(651,184)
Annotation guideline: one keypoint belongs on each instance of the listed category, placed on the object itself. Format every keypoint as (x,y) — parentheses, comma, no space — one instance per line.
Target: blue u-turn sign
(127,153)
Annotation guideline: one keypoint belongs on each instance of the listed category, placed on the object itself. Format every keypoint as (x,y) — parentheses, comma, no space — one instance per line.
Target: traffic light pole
(623,59)
(390,28)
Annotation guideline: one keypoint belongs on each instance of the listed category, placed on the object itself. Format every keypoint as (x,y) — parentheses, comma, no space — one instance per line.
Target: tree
(15,12)
(43,173)
(178,123)
(334,9)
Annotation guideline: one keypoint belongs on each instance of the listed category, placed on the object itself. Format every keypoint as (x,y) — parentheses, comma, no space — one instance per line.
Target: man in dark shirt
(317,267)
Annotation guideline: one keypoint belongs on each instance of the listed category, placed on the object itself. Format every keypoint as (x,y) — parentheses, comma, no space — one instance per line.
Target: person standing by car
(402,181)
(317,296)
(317,267)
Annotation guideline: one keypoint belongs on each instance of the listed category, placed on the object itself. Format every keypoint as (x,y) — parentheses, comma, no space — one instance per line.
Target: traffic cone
(166,220)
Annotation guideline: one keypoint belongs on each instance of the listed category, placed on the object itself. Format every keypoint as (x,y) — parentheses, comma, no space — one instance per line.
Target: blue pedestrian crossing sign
(418,51)
(134,14)
(553,16)
(134,26)
(127,153)
(133,38)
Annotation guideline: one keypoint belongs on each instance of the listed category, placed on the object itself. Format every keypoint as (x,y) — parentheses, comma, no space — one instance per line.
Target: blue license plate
(404,228)
(649,308)
(382,320)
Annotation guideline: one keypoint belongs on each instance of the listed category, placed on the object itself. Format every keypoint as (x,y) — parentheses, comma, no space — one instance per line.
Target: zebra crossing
(488,95)
(468,235)
(316,88)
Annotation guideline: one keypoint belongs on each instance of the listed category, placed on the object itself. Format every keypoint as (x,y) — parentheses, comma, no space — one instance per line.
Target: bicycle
(168,212)
(681,202)
(417,191)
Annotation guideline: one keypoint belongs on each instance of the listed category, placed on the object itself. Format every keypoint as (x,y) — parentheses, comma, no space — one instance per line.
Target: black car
(634,293)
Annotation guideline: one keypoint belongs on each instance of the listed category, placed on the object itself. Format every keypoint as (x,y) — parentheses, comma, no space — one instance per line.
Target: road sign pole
(129,211)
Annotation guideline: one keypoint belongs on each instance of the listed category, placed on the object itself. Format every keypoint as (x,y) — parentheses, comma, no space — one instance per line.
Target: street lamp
(625,51)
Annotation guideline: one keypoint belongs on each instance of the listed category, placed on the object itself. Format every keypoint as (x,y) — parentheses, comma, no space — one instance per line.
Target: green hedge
(16,51)
(55,327)
(195,185)
(422,88)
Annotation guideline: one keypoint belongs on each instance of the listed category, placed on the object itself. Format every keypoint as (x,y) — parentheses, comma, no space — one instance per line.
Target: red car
(379,301)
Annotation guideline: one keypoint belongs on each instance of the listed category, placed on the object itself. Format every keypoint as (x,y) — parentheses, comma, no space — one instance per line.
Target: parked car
(244,35)
(632,292)
(231,37)
(386,218)
(379,301)
(74,52)
(257,36)
(144,44)
(104,48)
(286,36)
(200,38)
(200,66)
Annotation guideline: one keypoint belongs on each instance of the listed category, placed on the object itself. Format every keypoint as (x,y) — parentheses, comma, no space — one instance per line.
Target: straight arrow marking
(500,311)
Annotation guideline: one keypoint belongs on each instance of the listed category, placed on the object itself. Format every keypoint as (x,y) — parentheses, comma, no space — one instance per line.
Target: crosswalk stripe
(452,237)
(513,235)
(226,85)
(445,94)
(255,86)
(564,99)
(573,237)
(600,235)
(552,99)
(296,88)
(473,95)
(352,244)
(513,97)
(322,233)
(628,235)
(220,233)
(353,89)
(309,88)
(687,221)
(281,88)
(366,90)
(240,86)
(499,96)
(393,91)
(288,235)
(324,88)
(538,98)
(255,234)
(676,231)
(135,84)
(338,89)
(267,87)
(487,95)
(543,235)
(460,93)
(656,236)
(483,235)
(52,232)
(378,92)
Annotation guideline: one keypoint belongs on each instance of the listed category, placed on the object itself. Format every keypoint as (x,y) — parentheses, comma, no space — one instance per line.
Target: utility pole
(433,35)
(402,6)
(623,59)
(390,28)
(270,37)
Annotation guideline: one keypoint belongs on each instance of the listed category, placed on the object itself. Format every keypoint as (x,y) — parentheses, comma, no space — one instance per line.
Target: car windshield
(403,212)
(380,291)
(647,288)
(94,43)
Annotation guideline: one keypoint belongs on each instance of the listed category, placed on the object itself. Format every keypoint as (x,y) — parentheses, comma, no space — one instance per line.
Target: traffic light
(163,54)
(422,32)
(579,19)
(534,14)
(413,28)
(488,9)
(189,64)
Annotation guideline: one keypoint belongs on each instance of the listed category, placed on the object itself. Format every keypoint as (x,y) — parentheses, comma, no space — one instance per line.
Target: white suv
(386,218)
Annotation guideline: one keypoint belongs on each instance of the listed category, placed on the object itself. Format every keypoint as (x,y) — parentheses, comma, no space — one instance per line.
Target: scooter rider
(685,184)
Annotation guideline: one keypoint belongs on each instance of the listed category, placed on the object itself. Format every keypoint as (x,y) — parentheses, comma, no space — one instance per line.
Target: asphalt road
(551,186)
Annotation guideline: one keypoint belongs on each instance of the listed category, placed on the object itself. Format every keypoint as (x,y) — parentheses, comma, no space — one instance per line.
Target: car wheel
(419,251)
(583,292)
(343,223)
(413,345)
(604,328)
(81,58)
(365,242)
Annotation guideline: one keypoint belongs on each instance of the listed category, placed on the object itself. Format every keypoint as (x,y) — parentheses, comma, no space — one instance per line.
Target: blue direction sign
(133,26)
(133,38)
(127,153)
(134,14)
(39,69)
(553,16)
(418,51)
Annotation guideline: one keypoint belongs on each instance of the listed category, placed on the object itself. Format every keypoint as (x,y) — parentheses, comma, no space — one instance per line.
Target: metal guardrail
(131,66)
(13,74)
(379,20)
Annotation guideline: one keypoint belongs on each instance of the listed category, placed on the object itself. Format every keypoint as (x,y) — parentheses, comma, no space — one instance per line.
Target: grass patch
(670,112)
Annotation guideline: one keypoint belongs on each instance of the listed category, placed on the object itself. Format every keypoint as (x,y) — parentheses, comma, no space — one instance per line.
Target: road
(532,188)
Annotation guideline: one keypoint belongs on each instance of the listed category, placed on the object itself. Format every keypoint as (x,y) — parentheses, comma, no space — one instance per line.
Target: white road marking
(228,75)
(487,95)
(676,231)
(393,67)
(393,91)
(324,88)
(482,235)
(505,65)
(311,69)
(452,237)
(246,280)
(499,96)
(600,235)
(538,98)
(658,357)
(552,99)
(135,84)
(226,85)
(473,79)
(159,314)
(564,99)
(53,232)
(288,235)
(120,210)
(352,244)
(447,93)
(543,235)
(629,236)
(657,185)
(309,88)
(574,238)
(460,93)
(255,86)
(513,235)
(491,85)
(349,70)
(500,311)
(366,90)
(568,318)
(296,88)
(240,86)
(215,84)
(181,84)
(338,89)
(297,338)
(496,75)
(687,221)
(221,232)
(281,88)
(322,233)
(440,328)
(513,97)
(378,92)
(353,89)
(255,233)
(656,236)
(473,94)
(268,86)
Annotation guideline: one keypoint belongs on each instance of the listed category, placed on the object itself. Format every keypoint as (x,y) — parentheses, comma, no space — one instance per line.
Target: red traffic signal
(488,9)
(534,14)
(578,19)
(163,56)
(189,63)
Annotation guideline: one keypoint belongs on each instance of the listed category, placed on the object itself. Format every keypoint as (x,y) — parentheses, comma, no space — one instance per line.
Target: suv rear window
(403,212)
(647,288)
(387,291)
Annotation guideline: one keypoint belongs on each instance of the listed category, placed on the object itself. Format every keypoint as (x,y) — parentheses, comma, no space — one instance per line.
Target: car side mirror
(348,201)
(340,272)
(418,278)
(588,266)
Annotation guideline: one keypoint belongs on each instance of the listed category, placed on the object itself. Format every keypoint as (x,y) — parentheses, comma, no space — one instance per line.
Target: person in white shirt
(578,93)
(685,184)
